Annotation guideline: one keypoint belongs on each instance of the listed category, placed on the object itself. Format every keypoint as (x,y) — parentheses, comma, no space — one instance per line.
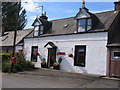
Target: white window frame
(85,25)
(113,55)
(36,31)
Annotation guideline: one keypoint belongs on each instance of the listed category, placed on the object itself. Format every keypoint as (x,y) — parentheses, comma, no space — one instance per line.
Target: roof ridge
(61,19)
(103,12)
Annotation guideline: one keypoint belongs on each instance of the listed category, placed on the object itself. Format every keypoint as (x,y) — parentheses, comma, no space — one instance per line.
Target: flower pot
(43,65)
(57,67)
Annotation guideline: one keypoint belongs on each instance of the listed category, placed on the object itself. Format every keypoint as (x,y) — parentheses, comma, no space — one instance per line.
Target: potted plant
(56,64)
(43,63)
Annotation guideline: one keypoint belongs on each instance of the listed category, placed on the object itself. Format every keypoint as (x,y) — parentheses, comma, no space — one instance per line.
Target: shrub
(5,61)
(6,66)
(21,63)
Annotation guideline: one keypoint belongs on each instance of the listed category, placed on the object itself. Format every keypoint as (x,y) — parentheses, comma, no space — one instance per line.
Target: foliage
(5,56)
(43,61)
(13,13)
(60,60)
(6,64)
(5,59)
(56,62)
(20,65)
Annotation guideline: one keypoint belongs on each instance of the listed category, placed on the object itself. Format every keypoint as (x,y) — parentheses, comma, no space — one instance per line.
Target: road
(54,79)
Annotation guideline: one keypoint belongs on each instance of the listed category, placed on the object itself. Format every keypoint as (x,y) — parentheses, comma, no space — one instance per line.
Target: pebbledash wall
(96,51)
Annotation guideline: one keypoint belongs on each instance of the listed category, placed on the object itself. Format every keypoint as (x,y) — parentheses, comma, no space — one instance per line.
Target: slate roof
(102,21)
(7,40)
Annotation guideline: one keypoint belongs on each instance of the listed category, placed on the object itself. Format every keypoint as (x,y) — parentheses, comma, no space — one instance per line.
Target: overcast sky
(56,9)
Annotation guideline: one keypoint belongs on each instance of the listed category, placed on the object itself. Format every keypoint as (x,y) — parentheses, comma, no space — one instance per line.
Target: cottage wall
(96,51)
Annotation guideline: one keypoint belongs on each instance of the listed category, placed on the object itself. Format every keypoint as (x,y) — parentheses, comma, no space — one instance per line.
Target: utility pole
(14,40)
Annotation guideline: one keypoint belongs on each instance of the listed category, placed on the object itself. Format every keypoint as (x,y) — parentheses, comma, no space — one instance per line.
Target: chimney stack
(44,16)
(117,5)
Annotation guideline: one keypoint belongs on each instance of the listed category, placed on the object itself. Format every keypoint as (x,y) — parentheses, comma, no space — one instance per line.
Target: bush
(20,65)
(6,66)
(5,60)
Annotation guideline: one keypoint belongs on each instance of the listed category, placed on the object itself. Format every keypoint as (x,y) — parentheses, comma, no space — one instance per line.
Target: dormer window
(41,30)
(36,30)
(84,25)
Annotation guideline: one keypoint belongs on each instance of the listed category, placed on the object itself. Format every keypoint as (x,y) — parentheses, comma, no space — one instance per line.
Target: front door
(115,62)
(51,53)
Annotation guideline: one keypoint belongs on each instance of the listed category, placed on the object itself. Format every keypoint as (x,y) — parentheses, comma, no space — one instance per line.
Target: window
(116,54)
(36,29)
(41,30)
(84,25)
(80,54)
(33,56)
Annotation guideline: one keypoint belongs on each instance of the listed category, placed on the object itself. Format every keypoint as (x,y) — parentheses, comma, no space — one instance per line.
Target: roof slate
(105,19)
(7,40)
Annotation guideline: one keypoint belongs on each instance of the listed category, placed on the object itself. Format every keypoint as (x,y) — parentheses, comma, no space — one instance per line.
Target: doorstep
(111,78)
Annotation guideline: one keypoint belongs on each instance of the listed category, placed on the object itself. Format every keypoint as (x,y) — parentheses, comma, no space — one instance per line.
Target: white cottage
(80,41)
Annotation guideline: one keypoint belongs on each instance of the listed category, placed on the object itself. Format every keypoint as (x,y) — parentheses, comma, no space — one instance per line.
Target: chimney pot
(117,5)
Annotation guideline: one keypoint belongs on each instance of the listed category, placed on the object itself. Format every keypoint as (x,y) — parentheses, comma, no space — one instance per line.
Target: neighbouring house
(8,38)
(87,43)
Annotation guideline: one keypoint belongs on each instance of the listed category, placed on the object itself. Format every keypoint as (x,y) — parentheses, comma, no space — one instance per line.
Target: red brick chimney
(117,5)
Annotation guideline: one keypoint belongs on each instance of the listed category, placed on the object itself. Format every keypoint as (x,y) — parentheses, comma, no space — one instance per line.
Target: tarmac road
(54,79)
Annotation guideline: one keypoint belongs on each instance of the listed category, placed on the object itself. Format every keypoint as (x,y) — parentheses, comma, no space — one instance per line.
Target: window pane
(33,55)
(89,22)
(36,27)
(36,30)
(82,21)
(81,29)
(36,33)
(41,32)
(116,55)
(88,28)
(80,54)
(41,27)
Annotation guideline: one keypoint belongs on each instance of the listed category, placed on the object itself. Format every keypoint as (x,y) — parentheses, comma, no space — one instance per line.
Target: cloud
(30,6)
(32,18)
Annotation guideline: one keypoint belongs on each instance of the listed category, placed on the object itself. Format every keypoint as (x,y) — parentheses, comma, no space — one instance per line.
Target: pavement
(46,78)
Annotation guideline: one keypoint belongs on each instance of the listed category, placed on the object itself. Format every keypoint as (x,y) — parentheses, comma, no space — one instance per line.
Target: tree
(13,13)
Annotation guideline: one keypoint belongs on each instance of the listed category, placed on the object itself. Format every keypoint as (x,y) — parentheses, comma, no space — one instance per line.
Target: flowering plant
(43,61)
(70,55)
(56,62)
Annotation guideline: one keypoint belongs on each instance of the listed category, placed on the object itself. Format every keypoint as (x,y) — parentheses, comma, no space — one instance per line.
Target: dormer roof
(83,13)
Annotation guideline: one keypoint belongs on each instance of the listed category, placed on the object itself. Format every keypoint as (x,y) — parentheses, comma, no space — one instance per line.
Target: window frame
(86,24)
(113,57)
(77,47)
(32,49)
(41,30)
(37,30)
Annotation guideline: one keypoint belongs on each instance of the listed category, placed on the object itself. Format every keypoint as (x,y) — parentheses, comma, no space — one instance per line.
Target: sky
(58,9)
